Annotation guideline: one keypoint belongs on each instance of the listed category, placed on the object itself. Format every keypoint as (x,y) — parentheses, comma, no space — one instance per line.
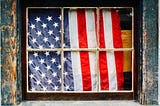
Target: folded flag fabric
(80,70)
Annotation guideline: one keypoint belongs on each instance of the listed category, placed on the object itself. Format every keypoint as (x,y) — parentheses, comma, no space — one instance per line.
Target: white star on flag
(57,38)
(60,17)
(41,61)
(43,75)
(47,54)
(48,67)
(34,40)
(32,26)
(44,88)
(40,47)
(54,74)
(66,87)
(33,89)
(56,88)
(39,33)
(59,66)
(30,62)
(66,73)
(45,39)
(55,24)
(51,46)
(35,54)
(38,19)
(36,68)
(49,18)
(58,52)
(31,76)
(44,25)
(38,82)
(49,81)
(53,60)
(50,32)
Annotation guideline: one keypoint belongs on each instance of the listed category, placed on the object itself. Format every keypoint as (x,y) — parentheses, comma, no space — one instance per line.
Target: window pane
(44,71)
(127,43)
(127,80)
(111,70)
(110,30)
(44,27)
(113,73)
(80,71)
(127,55)
(80,28)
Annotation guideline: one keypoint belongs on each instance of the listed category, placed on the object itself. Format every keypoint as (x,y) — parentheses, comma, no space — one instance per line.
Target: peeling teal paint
(150,52)
(0,54)
(19,67)
(9,52)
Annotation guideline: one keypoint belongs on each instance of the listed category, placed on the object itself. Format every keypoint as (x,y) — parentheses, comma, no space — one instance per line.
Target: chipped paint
(159,53)
(0,57)
(9,53)
(149,89)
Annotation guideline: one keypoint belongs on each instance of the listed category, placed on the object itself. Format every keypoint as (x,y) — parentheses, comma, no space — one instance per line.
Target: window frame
(67,95)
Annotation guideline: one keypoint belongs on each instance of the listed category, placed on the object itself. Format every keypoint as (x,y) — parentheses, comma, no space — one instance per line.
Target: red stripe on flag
(117,42)
(104,82)
(84,56)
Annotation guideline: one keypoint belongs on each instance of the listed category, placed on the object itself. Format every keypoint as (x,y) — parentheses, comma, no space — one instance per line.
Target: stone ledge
(80,103)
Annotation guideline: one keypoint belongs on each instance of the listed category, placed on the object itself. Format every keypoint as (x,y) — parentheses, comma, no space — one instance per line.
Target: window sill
(80,103)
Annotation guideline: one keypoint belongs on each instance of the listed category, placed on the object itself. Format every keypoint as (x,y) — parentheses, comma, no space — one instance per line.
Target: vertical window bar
(97,52)
(132,49)
(27,46)
(62,50)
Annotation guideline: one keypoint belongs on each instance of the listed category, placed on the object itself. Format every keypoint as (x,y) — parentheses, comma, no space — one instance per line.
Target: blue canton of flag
(44,71)
(44,29)
(44,68)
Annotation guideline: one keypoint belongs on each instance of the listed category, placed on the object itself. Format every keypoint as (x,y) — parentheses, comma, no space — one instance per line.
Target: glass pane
(115,31)
(44,27)
(44,71)
(80,71)
(80,28)
(113,73)
(126,38)
(113,25)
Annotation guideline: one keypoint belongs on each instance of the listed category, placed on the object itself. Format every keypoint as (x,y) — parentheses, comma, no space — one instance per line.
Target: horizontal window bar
(117,49)
(84,49)
(79,7)
(81,91)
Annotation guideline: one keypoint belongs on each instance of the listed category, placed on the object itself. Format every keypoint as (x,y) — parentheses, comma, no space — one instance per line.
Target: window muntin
(62,49)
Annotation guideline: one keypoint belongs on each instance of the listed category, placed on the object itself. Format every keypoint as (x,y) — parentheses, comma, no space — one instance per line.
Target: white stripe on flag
(110,55)
(91,37)
(76,66)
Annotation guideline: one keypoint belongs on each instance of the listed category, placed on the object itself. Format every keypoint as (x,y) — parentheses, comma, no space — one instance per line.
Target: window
(78,53)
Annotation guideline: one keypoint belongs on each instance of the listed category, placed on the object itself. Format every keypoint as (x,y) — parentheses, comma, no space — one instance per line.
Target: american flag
(83,70)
